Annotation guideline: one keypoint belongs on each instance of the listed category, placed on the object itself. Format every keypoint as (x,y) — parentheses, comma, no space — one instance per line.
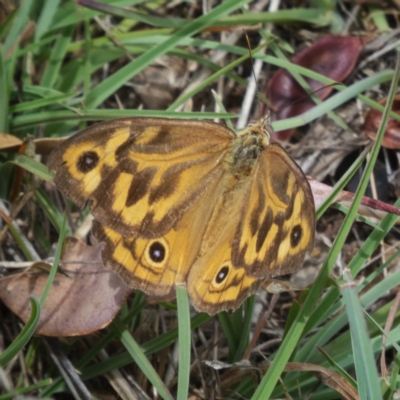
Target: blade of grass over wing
(270,379)
(140,359)
(182,301)
(367,374)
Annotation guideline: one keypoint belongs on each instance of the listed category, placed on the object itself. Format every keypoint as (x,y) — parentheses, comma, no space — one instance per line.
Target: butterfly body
(245,152)
(189,203)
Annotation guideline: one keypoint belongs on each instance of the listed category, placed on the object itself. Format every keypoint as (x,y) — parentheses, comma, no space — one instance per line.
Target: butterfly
(190,203)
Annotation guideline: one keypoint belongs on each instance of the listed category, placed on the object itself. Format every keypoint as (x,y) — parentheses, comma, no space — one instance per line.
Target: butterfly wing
(140,175)
(264,229)
(155,266)
(171,211)
(278,224)
(214,283)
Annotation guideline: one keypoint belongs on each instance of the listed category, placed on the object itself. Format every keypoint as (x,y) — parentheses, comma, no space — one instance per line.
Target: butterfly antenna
(307,96)
(253,72)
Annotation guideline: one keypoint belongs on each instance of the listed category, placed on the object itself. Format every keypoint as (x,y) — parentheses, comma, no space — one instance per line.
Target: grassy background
(63,65)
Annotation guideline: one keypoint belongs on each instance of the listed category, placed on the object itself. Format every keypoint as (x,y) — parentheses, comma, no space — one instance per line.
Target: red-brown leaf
(332,56)
(391,139)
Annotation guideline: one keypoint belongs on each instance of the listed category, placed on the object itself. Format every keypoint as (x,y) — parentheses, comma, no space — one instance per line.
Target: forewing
(140,175)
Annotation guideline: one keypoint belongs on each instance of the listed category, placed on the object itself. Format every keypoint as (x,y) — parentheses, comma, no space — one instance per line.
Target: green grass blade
(18,25)
(24,245)
(23,122)
(22,339)
(338,369)
(56,59)
(222,71)
(182,300)
(270,379)
(51,211)
(245,328)
(57,258)
(367,374)
(33,166)
(294,15)
(110,85)
(4,103)
(45,19)
(39,103)
(342,182)
(344,95)
(392,340)
(140,359)
(14,394)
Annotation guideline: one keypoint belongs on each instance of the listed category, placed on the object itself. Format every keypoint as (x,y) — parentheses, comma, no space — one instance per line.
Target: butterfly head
(266,127)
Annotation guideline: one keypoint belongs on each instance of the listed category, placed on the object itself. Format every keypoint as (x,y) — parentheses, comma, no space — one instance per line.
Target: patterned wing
(214,282)
(140,175)
(155,266)
(262,229)
(278,224)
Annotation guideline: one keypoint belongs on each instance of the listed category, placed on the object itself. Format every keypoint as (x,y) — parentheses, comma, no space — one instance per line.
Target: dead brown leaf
(84,298)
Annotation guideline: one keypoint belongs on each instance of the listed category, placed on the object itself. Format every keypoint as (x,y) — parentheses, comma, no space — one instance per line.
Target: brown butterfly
(190,203)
